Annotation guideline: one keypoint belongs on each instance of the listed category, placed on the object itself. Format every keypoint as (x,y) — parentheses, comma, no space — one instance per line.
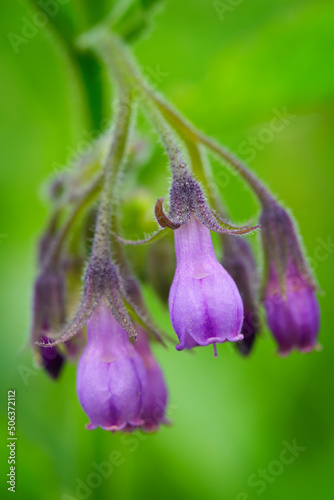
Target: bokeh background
(230,67)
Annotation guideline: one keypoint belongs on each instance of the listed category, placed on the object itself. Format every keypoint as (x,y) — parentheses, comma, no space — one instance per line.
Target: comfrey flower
(120,385)
(289,289)
(111,376)
(51,303)
(238,260)
(205,306)
(204,302)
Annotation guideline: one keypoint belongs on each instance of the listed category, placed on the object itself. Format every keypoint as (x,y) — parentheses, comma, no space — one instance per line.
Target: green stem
(200,171)
(197,137)
(84,200)
(175,156)
(182,126)
(84,73)
(106,220)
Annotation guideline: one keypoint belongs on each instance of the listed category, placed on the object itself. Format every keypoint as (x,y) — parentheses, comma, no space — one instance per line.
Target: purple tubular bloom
(294,317)
(155,401)
(111,376)
(205,305)
(289,288)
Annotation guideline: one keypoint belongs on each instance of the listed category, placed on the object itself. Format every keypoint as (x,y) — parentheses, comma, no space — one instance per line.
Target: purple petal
(111,377)
(204,303)
(295,318)
(155,401)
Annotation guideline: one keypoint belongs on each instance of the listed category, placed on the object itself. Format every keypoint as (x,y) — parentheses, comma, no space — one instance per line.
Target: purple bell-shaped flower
(289,290)
(111,376)
(293,317)
(204,302)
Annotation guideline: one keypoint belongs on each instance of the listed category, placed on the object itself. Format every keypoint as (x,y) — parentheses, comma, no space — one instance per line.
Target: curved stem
(106,219)
(84,200)
(200,171)
(197,137)
(182,126)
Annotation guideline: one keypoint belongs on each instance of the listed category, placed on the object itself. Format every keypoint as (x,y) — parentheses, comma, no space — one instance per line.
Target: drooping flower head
(239,261)
(289,289)
(204,302)
(205,306)
(111,376)
(51,303)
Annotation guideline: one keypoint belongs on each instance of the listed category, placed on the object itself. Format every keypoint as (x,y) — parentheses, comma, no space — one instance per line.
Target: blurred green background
(229,66)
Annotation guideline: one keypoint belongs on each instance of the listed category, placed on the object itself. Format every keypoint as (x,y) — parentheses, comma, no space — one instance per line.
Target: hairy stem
(182,126)
(84,199)
(106,219)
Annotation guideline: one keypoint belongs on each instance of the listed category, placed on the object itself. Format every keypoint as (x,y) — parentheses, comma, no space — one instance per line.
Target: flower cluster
(120,385)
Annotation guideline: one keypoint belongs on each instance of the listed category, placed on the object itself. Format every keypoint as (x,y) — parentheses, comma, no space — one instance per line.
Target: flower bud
(289,289)
(293,317)
(155,401)
(240,264)
(48,313)
(111,376)
(204,302)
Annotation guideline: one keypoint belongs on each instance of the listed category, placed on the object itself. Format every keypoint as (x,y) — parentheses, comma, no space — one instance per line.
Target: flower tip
(113,428)
(90,426)
(137,422)
(54,365)
(284,352)
(151,426)
(237,338)
(308,348)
